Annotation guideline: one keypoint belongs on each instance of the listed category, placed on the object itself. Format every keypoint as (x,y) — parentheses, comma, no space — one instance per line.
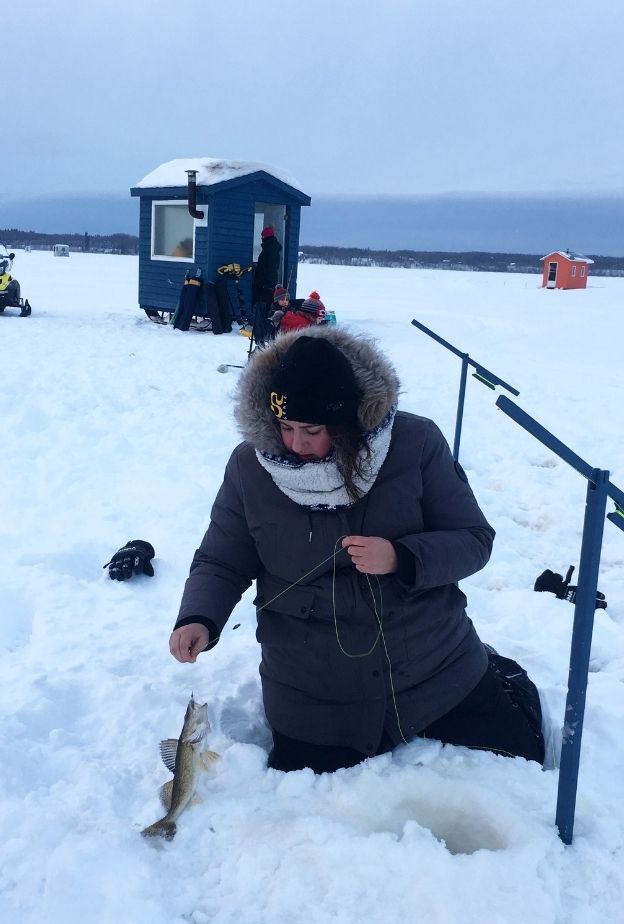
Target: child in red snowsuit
(311,312)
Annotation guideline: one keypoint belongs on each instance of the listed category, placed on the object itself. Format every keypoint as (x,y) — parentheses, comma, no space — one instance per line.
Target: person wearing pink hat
(265,279)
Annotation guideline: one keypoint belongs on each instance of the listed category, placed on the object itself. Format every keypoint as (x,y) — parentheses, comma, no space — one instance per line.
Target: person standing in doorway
(264,281)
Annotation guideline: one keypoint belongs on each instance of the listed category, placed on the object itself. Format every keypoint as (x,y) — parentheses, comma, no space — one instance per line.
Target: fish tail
(163,828)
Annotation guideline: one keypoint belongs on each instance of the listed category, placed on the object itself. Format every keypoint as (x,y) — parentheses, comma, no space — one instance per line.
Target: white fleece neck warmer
(319,484)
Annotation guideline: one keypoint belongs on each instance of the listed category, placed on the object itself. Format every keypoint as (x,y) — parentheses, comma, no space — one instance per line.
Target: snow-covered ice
(114,428)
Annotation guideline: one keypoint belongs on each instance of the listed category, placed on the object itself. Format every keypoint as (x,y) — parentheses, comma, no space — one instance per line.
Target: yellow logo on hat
(277,404)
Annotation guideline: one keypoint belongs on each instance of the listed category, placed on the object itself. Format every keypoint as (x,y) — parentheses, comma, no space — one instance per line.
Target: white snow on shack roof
(210,170)
(577,257)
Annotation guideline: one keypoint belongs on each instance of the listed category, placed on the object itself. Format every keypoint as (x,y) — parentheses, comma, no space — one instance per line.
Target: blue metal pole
(484,375)
(564,452)
(598,490)
(437,338)
(460,405)
(580,649)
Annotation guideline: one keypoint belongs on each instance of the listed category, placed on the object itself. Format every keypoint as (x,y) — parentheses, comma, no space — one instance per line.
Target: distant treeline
(473,261)
(82,243)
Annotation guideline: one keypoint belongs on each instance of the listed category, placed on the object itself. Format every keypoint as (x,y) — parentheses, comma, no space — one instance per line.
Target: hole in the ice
(461,832)
(241,719)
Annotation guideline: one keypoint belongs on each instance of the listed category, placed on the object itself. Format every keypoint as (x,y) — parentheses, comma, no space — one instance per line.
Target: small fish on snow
(186,760)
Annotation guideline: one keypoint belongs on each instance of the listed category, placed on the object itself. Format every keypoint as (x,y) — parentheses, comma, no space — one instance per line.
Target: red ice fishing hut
(565,270)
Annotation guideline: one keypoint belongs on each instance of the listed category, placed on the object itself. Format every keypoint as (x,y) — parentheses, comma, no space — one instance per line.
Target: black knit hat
(314,383)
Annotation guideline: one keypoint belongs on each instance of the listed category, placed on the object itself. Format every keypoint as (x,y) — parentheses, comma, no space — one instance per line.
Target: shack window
(573,271)
(173,232)
(582,271)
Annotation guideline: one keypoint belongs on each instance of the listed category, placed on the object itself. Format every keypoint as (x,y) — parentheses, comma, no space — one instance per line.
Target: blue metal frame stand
(599,488)
(580,649)
(481,373)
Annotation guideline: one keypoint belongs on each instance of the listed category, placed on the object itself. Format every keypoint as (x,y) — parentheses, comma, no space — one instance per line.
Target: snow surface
(210,170)
(114,428)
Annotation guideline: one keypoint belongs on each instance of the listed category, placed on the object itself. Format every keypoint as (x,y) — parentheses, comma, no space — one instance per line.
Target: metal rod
(580,652)
(618,496)
(436,337)
(564,452)
(544,436)
(599,488)
(460,405)
(481,370)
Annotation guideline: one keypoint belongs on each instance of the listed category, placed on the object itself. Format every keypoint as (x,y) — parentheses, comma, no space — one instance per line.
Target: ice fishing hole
(460,831)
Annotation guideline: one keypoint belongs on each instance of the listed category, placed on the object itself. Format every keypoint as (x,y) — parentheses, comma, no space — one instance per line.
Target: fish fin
(165,792)
(197,736)
(168,751)
(162,828)
(208,757)
(195,800)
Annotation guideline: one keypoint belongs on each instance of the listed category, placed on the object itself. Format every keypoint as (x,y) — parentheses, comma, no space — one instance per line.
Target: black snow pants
(501,714)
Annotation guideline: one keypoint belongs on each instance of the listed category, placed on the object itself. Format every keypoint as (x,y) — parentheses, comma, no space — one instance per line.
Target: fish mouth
(196,722)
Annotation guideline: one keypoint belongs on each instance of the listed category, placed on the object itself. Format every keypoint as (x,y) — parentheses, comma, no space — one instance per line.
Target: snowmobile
(10,296)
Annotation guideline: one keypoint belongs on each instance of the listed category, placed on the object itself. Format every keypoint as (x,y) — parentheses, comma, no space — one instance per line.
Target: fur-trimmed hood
(375,376)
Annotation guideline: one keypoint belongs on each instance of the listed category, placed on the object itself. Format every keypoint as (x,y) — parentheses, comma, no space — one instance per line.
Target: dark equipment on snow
(259,326)
(134,558)
(191,302)
(235,272)
(10,295)
(219,307)
(550,581)
(249,326)
(202,306)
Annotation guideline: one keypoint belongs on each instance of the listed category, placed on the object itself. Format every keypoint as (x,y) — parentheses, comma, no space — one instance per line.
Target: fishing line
(378,616)
(294,583)
(311,571)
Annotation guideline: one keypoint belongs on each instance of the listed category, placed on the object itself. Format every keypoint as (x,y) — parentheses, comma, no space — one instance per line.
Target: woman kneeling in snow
(356,524)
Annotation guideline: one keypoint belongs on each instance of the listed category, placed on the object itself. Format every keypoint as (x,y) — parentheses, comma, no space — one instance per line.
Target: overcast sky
(369,97)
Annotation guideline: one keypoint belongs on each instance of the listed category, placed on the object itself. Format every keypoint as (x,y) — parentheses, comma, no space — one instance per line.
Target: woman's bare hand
(188,641)
(371,554)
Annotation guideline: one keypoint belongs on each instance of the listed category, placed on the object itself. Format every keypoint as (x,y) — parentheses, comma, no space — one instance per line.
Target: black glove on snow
(134,558)
(549,580)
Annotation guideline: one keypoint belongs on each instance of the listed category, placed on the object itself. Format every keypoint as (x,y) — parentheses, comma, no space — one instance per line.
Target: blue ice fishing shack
(199,214)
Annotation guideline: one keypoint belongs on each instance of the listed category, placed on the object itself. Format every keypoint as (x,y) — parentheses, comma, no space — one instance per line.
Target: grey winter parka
(328,671)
